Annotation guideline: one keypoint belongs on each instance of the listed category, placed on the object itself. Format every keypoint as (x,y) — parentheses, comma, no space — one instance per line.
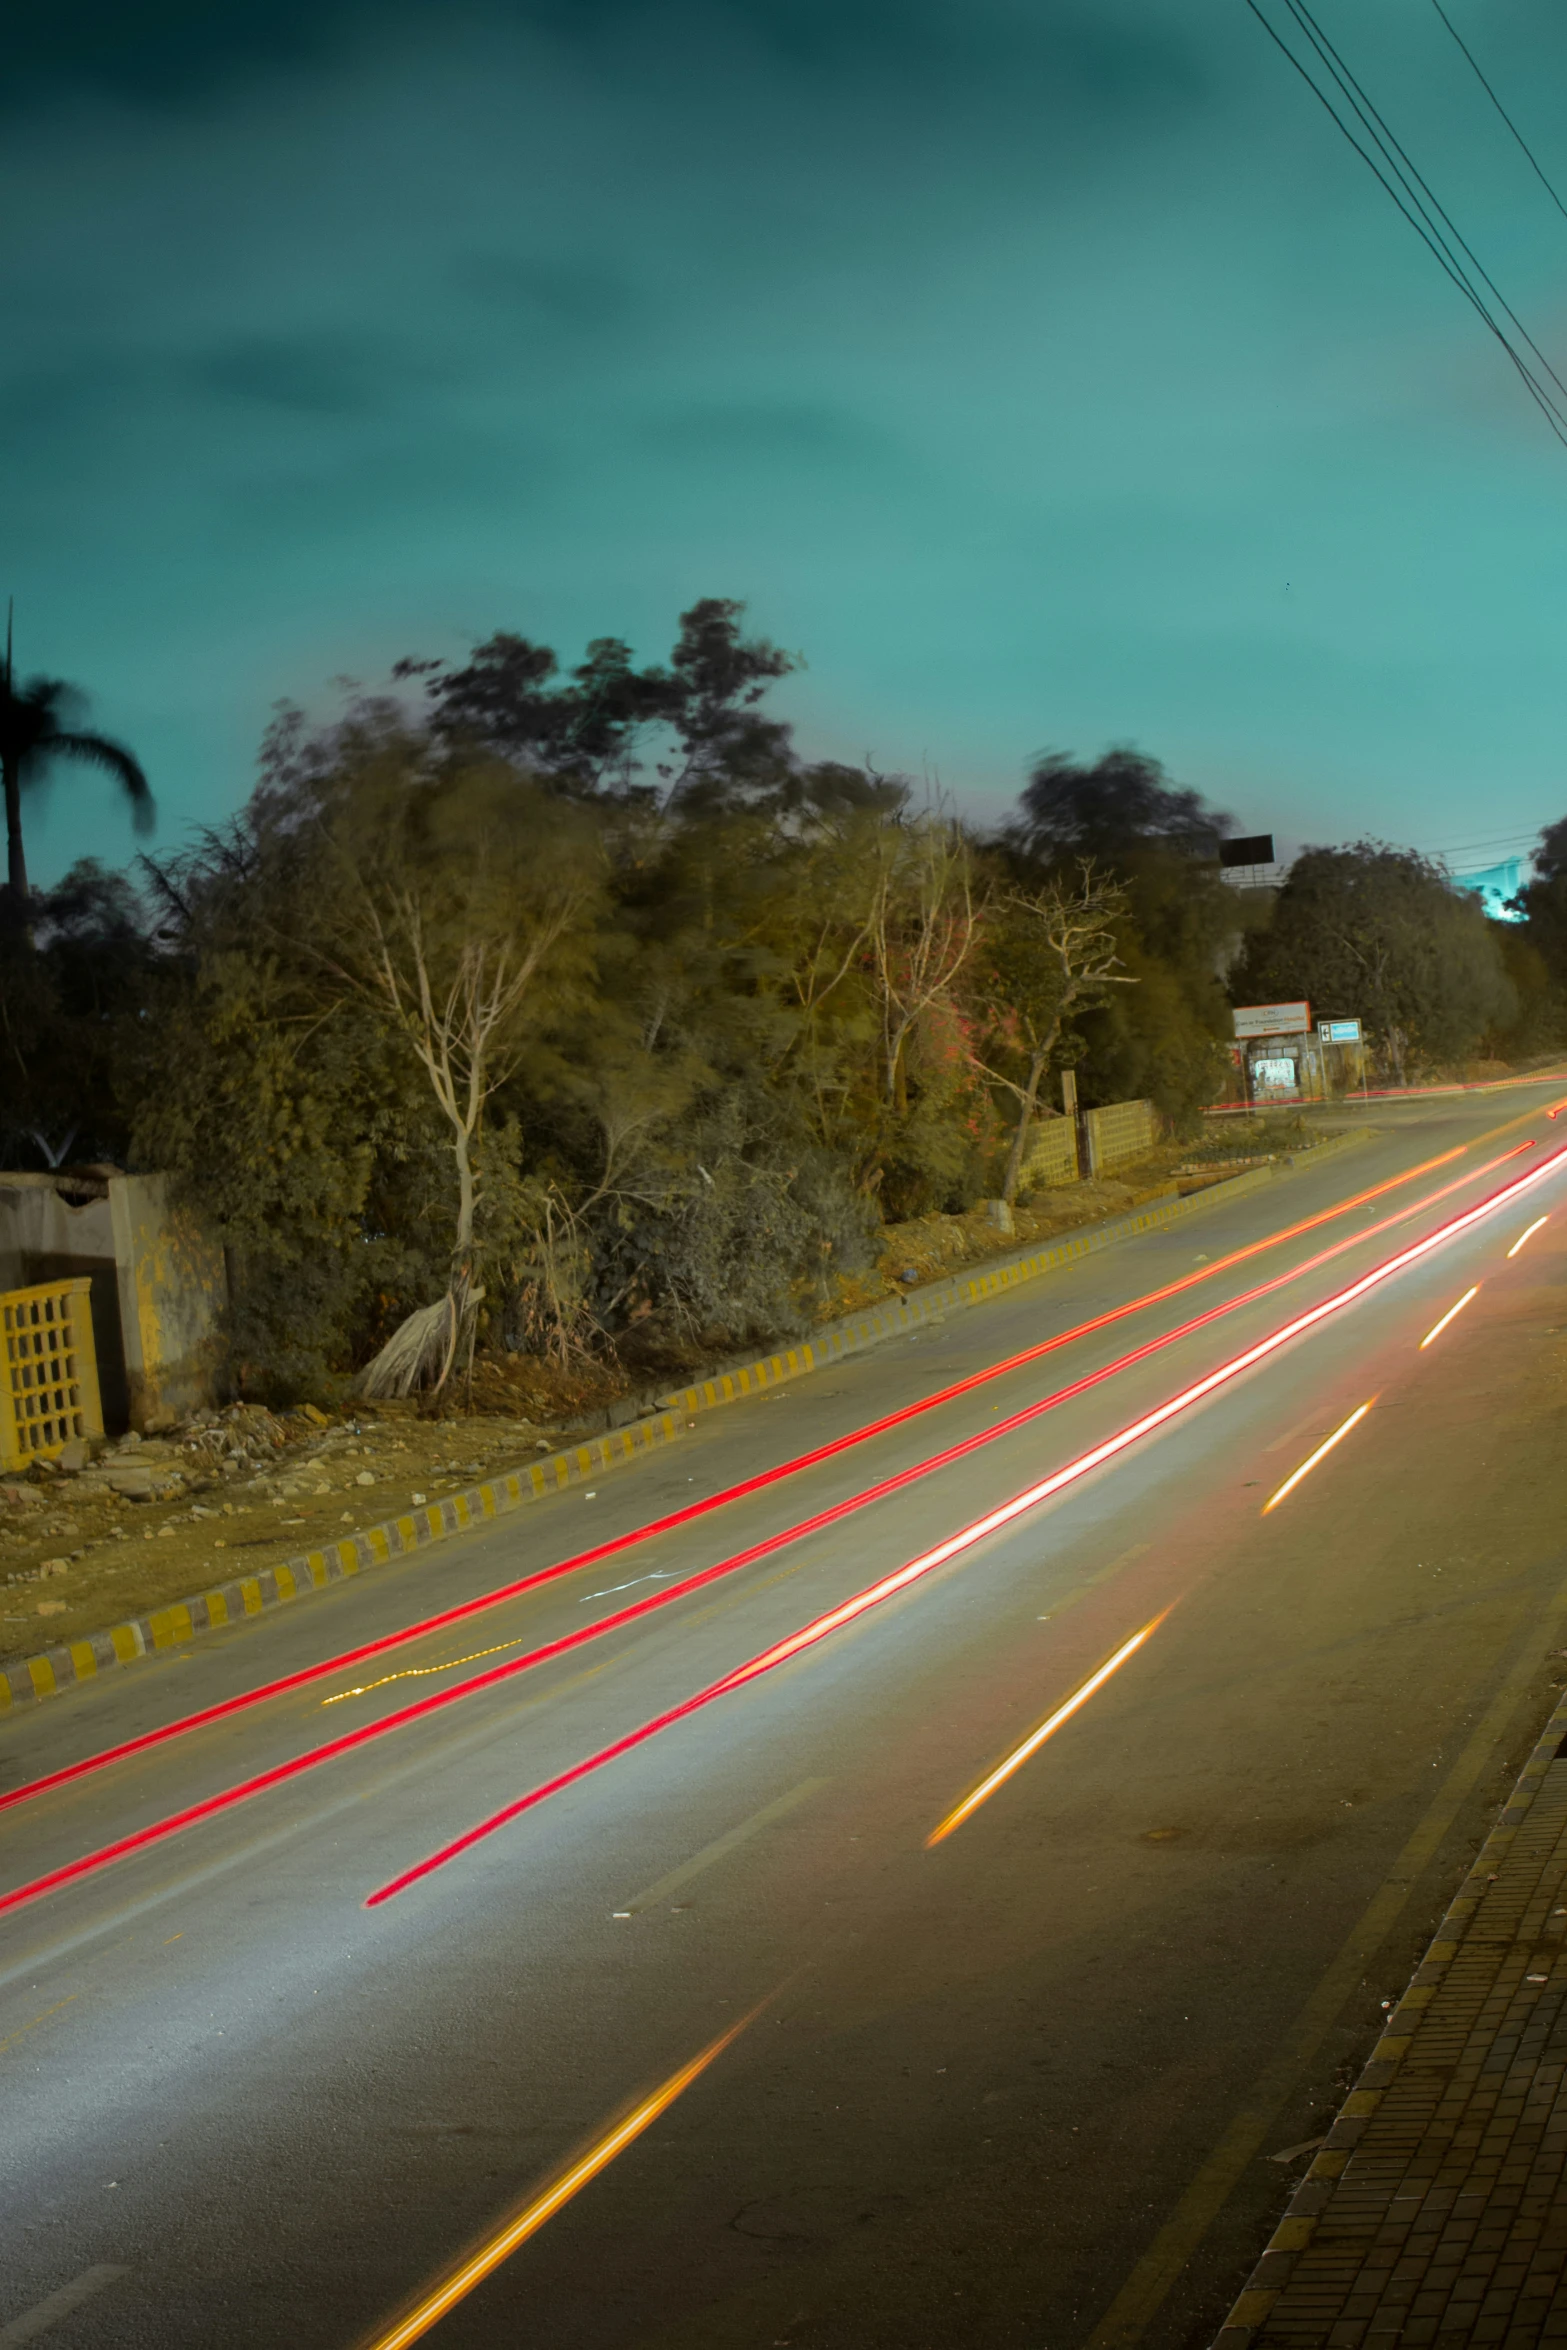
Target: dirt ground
(154,1520)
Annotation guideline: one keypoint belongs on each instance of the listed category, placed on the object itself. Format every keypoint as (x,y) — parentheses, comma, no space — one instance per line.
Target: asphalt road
(1019,2087)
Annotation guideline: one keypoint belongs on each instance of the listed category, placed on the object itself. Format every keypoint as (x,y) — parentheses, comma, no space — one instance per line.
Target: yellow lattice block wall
(48,1371)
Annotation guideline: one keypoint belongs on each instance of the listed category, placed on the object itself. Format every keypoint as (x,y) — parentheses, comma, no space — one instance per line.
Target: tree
(466,900)
(1111,811)
(923,928)
(1543,903)
(586,735)
(33,734)
(74,976)
(1381,934)
(1049,954)
(1177,932)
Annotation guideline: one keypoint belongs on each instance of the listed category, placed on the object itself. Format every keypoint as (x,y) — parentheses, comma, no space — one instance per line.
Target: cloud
(313,375)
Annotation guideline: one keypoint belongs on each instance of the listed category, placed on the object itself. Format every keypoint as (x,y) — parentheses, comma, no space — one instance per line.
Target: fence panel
(48,1371)
(1118,1132)
(1051,1155)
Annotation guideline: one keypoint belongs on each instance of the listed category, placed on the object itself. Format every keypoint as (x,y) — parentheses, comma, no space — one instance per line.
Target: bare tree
(1052,953)
(923,927)
(466,896)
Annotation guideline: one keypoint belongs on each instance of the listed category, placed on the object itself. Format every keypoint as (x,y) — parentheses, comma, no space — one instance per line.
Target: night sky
(1049,375)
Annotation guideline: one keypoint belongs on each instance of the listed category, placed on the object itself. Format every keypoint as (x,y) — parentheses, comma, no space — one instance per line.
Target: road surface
(1019,2085)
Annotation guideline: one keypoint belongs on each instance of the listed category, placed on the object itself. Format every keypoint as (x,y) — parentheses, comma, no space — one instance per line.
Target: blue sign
(1339,1031)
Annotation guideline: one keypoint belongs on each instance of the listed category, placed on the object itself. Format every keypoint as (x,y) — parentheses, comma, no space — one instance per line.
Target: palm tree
(32,734)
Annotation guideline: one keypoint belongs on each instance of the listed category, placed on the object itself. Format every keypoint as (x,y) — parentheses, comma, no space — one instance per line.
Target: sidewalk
(1437,2209)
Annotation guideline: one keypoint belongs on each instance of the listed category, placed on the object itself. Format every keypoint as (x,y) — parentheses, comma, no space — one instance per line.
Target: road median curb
(69,1664)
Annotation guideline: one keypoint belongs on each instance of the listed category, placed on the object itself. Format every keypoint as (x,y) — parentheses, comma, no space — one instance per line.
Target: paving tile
(1447,2226)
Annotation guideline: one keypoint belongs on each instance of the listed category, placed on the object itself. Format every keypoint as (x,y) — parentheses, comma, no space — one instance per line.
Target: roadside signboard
(1272,1020)
(1339,1031)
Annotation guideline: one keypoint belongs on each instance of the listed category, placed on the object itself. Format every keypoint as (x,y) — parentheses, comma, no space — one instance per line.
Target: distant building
(1494,886)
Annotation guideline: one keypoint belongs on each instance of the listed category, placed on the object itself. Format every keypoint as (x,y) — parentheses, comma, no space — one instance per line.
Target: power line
(1488,840)
(1406,197)
(1410,173)
(1500,108)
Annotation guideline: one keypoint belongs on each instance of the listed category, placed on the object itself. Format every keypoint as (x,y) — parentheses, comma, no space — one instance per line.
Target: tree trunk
(15,861)
(423,1350)
(1026,1109)
(465,1200)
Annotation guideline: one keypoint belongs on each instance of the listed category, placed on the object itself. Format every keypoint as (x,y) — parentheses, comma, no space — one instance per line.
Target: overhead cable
(1403,184)
(1534,164)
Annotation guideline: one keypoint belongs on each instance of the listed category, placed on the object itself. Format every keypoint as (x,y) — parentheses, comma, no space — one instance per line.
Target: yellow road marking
(542,2208)
(1437,1328)
(1036,1738)
(1311,1460)
(22,2030)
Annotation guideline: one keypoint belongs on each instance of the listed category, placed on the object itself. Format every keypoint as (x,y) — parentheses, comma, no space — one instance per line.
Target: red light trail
(226,1708)
(956,1544)
(279,1774)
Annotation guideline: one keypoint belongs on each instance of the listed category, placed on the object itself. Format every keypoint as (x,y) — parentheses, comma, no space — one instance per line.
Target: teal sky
(1047,375)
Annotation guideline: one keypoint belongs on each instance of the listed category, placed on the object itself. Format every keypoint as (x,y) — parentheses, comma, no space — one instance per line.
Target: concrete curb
(1295,2230)
(54,1670)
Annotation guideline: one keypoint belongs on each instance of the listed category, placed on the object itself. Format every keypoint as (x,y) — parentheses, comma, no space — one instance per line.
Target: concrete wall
(45,1236)
(173,1289)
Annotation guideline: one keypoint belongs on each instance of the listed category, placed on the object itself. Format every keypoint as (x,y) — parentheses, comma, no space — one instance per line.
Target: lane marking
(1437,1328)
(1294,1435)
(822,1627)
(1530,1232)
(1321,1454)
(542,2208)
(697,1509)
(1036,1738)
(1169,2255)
(721,1847)
(44,2314)
(22,2030)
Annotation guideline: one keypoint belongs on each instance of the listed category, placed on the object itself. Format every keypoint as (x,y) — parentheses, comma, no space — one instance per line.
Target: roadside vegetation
(566,1030)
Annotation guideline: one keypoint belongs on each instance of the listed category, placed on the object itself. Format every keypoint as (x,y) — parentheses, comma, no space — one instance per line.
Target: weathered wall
(1050,1156)
(172,1289)
(47,1237)
(1118,1132)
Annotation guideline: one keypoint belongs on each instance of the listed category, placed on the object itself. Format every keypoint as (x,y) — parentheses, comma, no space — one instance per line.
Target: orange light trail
(1437,1328)
(1529,1232)
(246,1790)
(1320,1454)
(691,1512)
(542,2208)
(1036,1738)
(955,1544)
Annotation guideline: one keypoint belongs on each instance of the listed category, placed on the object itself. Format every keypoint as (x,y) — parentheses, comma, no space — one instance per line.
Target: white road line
(717,1850)
(44,2314)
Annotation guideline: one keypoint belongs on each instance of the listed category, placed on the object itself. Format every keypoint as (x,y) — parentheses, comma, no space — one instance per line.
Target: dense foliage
(1381,934)
(544,1013)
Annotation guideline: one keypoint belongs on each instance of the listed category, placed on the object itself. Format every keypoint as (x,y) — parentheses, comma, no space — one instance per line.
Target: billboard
(1255,849)
(1272,1020)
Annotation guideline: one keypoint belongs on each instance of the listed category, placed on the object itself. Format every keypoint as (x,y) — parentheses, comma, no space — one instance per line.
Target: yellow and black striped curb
(1295,2230)
(72,1662)
(938,1298)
